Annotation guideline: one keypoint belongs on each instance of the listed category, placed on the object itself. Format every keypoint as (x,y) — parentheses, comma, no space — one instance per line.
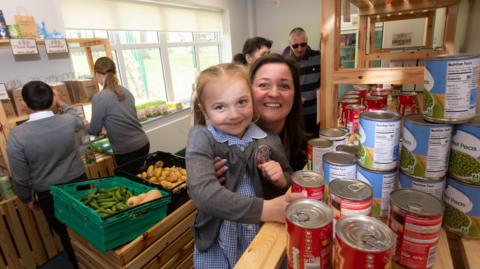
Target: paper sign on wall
(23,46)
(56,45)
(3,92)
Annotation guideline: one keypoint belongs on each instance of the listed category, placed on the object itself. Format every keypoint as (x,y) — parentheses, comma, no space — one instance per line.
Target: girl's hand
(273,172)
(220,169)
(274,210)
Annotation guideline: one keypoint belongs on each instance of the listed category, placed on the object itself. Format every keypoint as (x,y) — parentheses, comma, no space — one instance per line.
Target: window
(153,65)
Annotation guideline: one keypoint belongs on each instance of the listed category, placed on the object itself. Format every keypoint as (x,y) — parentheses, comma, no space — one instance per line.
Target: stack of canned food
(374,211)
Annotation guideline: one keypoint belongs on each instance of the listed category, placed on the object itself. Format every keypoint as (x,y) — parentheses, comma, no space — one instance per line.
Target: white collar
(40,115)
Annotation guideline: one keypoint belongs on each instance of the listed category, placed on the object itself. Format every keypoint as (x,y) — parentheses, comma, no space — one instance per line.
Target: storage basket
(132,168)
(112,231)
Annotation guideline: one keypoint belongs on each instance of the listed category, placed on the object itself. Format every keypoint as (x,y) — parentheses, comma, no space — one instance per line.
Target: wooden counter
(268,249)
(168,244)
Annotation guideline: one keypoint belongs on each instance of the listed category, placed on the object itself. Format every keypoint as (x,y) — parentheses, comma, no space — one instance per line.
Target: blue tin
(382,183)
(339,165)
(433,187)
(451,83)
(379,140)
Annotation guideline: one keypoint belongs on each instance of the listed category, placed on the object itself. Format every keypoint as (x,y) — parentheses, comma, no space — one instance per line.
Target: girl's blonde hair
(210,74)
(106,66)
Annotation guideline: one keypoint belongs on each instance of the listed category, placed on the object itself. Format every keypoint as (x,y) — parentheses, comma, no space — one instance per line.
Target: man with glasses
(309,63)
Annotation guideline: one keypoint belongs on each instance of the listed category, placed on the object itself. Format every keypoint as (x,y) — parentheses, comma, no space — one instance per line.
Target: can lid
(320,142)
(355,107)
(309,213)
(417,202)
(350,100)
(349,148)
(351,189)
(365,233)
(419,119)
(333,132)
(407,93)
(339,158)
(308,178)
(381,115)
(374,97)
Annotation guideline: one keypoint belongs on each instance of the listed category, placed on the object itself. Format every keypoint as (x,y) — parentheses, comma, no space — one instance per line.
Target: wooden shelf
(82,41)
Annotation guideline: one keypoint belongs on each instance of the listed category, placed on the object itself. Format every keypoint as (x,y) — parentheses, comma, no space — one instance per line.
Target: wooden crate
(168,244)
(104,166)
(26,241)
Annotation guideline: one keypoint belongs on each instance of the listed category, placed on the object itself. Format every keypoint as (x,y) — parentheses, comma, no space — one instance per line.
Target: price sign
(56,45)
(3,92)
(23,46)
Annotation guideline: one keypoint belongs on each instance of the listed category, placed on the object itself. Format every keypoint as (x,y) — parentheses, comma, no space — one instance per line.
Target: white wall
(275,21)
(26,68)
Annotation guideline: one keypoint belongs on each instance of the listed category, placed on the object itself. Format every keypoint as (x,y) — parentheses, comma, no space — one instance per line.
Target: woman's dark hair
(251,45)
(293,135)
(37,95)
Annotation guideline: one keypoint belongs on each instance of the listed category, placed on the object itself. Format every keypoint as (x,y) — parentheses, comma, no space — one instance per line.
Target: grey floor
(58,262)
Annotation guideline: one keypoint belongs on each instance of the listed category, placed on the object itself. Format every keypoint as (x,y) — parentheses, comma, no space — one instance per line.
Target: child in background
(43,152)
(229,216)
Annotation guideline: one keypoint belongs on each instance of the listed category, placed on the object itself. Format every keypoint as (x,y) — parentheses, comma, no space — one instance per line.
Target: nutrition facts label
(318,158)
(460,85)
(389,181)
(438,148)
(387,135)
(343,172)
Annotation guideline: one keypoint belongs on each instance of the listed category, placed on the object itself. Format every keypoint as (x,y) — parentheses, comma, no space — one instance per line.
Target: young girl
(228,216)
(114,109)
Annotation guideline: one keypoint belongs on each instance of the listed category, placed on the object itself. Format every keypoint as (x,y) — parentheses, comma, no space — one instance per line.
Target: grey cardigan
(216,202)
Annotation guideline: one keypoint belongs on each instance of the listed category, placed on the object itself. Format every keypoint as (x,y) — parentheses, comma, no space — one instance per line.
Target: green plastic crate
(115,230)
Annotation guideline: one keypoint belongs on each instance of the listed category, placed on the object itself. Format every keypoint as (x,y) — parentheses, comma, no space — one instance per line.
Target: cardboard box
(8,109)
(63,91)
(17,100)
(81,91)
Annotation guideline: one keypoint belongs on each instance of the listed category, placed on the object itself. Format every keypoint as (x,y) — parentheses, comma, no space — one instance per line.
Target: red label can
(363,242)
(353,116)
(407,103)
(310,235)
(416,218)
(312,182)
(362,92)
(376,103)
(343,104)
(350,197)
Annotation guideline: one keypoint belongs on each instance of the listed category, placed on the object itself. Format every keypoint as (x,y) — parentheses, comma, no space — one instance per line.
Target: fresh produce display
(171,178)
(107,202)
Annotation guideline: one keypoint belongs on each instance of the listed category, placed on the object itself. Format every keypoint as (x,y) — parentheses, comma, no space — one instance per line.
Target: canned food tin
(339,165)
(416,218)
(425,148)
(338,136)
(451,84)
(343,104)
(363,242)
(312,182)
(435,187)
(315,150)
(465,158)
(348,148)
(353,116)
(382,183)
(462,208)
(379,139)
(6,187)
(407,103)
(309,227)
(375,103)
(362,92)
(350,197)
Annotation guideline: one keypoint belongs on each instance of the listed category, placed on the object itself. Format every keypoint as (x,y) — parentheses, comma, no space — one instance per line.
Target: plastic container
(112,231)
(132,168)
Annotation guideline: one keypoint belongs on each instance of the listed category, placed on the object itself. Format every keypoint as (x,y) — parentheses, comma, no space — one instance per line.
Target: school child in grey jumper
(43,152)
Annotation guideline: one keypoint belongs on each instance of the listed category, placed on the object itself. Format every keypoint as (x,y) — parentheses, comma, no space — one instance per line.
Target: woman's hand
(274,210)
(273,172)
(220,169)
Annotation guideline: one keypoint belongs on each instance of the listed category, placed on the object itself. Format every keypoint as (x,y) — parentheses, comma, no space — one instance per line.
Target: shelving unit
(332,75)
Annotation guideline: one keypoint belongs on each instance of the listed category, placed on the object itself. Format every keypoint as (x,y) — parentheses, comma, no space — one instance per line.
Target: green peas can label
(451,83)
(379,140)
(462,208)
(465,155)
(425,148)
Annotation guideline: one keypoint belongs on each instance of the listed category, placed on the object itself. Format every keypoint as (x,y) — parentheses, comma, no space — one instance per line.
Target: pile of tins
(377,212)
